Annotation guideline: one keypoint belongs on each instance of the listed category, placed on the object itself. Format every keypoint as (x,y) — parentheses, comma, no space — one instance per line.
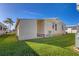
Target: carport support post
(77,39)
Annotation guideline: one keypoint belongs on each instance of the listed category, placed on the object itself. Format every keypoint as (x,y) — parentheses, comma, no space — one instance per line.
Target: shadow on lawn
(2,37)
(16,48)
(61,41)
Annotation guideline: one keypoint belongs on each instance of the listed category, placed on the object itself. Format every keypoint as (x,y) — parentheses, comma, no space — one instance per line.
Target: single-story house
(2,28)
(77,6)
(71,29)
(33,28)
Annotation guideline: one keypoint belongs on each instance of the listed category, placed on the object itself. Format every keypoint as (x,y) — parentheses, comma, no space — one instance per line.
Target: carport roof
(3,25)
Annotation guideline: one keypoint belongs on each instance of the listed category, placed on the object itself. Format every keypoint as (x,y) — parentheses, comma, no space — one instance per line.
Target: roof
(74,27)
(77,6)
(17,22)
(1,24)
(53,19)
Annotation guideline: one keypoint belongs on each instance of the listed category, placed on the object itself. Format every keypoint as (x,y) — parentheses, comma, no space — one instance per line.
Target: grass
(52,46)
(9,46)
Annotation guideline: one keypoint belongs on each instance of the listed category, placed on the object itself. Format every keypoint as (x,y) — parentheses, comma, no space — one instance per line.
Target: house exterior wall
(40,26)
(69,30)
(77,6)
(49,30)
(2,32)
(27,29)
(74,31)
(59,30)
(17,30)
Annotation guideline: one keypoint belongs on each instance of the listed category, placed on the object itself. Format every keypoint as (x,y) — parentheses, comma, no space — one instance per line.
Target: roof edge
(17,22)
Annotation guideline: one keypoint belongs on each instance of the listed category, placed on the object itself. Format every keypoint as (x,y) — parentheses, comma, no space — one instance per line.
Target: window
(52,26)
(0,27)
(62,27)
(56,27)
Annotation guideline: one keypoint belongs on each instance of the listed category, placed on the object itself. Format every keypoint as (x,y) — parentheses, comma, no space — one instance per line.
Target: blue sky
(66,12)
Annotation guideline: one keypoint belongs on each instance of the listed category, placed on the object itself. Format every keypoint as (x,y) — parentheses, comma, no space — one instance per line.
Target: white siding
(2,32)
(17,32)
(77,6)
(27,29)
(46,28)
(69,30)
(77,40)
(59,29)
(74,31)
(53,31)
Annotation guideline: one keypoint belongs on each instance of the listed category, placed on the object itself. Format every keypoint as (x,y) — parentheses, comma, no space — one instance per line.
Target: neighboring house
(33,28)
(71,29)
(2,28)
(77,6)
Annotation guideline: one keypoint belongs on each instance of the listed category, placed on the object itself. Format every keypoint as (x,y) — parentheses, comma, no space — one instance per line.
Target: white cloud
(33,13)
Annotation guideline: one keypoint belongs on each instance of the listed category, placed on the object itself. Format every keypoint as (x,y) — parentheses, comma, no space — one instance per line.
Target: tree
(10,22)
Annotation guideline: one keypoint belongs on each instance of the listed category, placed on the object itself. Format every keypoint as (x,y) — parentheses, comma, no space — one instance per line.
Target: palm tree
(10,22)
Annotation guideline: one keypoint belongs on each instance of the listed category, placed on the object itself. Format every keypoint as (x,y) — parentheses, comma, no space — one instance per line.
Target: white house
(33,28)
(77,6)
(2,28)
(71,29)
(77,38)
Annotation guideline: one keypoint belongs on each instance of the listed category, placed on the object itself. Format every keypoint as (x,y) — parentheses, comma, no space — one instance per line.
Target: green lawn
(53,46)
